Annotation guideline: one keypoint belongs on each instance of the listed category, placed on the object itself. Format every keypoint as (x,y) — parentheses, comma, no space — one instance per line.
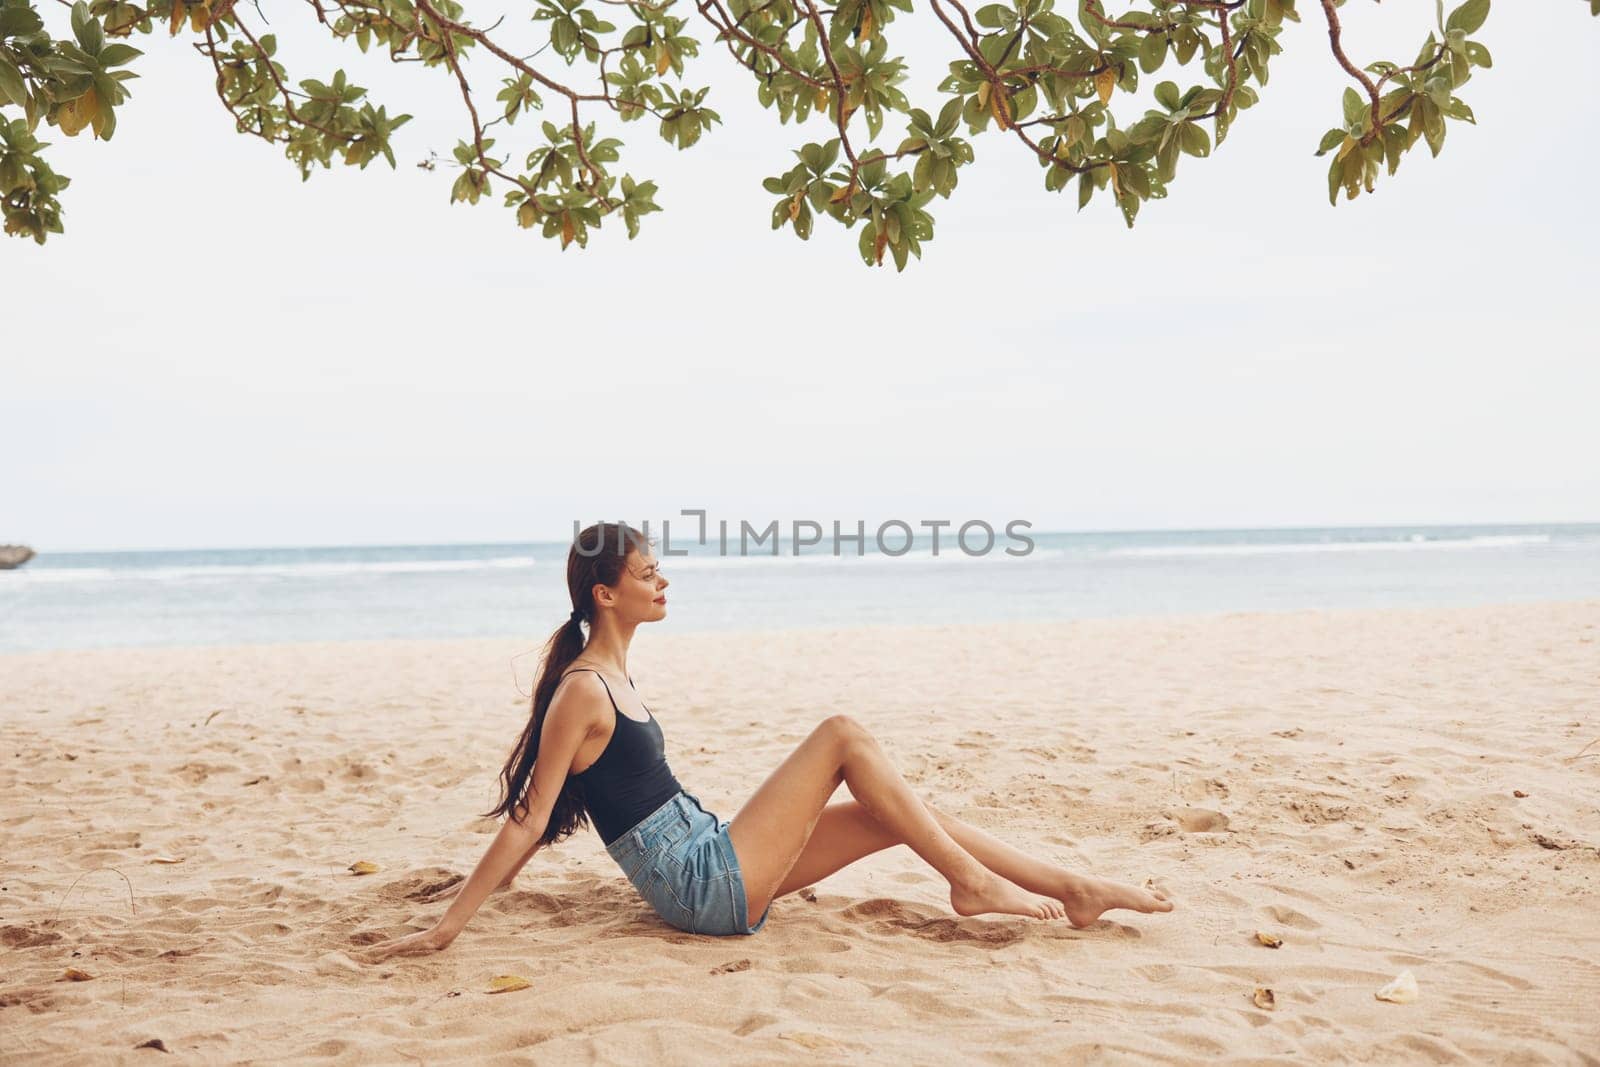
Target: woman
(592,749)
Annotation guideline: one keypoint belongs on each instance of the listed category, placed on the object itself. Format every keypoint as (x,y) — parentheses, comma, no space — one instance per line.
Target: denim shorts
(681,860)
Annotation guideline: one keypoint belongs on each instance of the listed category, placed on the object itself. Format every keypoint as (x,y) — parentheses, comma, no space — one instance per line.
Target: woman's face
(641,588)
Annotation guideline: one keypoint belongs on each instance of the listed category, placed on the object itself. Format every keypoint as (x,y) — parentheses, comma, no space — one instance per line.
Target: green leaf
(1167,161)
(114,55)
(1433,127)
(1092,25)
(1394,144)
(1458,109)
(1136,180)
(18,20)
(869,234)
(1152,52)
(1355,105)
(1438,90)
(86,28)
(12,88)
(1185,42)
(1469,16)
(994,16)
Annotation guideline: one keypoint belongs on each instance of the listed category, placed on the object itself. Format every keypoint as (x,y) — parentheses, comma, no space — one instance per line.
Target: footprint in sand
(113,842)
(1198,820)
(1156,972)
(419,884)
(358,771)
(896,914)
(1287,916)
(36,1000)
(26,937)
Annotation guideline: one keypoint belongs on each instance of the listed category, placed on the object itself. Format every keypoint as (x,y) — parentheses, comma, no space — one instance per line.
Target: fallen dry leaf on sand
(1403,990)
(75,975)
(364,867)
(1270,940)
(1263,998)
(508,983)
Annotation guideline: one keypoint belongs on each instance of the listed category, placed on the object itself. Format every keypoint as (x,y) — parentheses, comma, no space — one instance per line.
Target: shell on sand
(1403,990)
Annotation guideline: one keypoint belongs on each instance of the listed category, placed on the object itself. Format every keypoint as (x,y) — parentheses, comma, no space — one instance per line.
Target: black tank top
(631,778)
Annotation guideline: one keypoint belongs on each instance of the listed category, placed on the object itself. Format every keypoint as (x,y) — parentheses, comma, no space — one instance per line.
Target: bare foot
(995,894)
(1086,898)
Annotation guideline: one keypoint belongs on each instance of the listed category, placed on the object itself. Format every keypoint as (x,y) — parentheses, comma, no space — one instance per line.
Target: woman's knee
(845,730)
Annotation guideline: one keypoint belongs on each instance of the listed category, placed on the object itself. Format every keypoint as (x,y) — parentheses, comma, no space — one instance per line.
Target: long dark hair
(596,556)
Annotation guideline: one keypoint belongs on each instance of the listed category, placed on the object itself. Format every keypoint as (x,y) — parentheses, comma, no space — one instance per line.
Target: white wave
(816,555)
(821,555)
(205,571)
(32,575)
(1416,542)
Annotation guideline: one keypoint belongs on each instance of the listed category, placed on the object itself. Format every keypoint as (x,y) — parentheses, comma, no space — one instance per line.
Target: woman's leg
(772,829)
(847,832)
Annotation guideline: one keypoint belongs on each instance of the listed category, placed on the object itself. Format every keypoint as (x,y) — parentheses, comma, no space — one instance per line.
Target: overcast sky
(217,354)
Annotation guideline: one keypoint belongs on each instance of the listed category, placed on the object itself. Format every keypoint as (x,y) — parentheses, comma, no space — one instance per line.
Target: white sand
(1355,770)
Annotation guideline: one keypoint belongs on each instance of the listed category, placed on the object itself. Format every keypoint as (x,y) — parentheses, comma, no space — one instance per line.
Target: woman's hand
(432,939)
(512,847)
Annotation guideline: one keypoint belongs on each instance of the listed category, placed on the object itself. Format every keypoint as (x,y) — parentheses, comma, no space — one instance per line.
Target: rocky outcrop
(14,556)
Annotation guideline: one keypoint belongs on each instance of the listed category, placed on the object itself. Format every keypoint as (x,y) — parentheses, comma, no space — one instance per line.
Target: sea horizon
(224,596)
(655,536)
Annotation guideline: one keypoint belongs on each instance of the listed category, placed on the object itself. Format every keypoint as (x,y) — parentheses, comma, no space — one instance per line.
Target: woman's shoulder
(587,684)
(595,676)
(581,694)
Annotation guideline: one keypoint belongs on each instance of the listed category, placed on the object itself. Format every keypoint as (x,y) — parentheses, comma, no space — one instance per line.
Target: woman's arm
(512,846)
(439,896)
(505,883)
(514,841)
(573,715)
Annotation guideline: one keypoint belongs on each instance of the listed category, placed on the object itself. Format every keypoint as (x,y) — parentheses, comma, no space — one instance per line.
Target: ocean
(81,600)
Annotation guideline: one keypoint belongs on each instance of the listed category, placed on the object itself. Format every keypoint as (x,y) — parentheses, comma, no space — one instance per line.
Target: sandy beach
(1384,790)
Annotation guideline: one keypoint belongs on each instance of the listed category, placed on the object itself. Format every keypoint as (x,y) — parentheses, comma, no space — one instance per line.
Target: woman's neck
(608,647)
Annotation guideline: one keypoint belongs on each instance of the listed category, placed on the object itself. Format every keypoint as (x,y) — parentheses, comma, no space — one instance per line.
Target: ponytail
(587,566)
